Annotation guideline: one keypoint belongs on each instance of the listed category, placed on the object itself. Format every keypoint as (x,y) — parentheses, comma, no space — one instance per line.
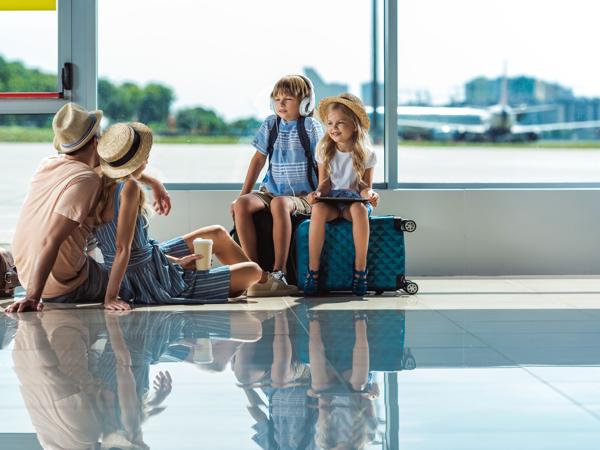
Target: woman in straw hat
(141,271)
(346,164)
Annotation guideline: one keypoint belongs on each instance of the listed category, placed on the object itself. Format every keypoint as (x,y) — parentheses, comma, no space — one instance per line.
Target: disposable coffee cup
(203,247)
(202,351)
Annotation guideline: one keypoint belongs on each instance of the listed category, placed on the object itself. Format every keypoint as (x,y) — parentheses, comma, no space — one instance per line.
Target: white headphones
(307,104)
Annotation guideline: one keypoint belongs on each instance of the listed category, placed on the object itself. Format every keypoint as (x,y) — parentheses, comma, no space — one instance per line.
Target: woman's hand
(188,262)
(313,197)
(114,304)
(371,195)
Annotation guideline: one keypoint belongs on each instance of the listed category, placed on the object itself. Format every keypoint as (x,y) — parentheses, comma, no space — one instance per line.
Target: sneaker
(275,286)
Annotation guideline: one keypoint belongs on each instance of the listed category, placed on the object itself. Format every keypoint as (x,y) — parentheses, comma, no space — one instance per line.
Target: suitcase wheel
(408,225)
(411,287)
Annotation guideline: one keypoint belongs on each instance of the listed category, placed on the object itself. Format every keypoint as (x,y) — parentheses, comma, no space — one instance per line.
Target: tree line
(128,101)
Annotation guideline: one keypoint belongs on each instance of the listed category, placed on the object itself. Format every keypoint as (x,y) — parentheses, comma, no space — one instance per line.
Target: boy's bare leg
(359,216)
(243,209)
(321,214)
(243,275)
(281,208)
(282,351)
(224,247)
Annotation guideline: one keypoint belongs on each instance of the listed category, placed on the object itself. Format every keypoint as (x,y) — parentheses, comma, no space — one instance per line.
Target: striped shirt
(288,162)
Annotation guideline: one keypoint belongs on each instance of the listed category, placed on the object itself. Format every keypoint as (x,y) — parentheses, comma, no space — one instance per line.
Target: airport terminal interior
(488,337)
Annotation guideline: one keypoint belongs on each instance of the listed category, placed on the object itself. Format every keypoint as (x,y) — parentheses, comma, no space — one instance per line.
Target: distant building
(322,88)
(366,93)
(483,91)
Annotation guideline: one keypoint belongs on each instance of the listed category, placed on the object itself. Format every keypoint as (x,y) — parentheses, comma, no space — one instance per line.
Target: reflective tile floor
(464,364)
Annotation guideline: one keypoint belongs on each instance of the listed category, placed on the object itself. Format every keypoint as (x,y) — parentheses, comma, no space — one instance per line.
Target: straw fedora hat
(74,126)
(123,148)
(349,100)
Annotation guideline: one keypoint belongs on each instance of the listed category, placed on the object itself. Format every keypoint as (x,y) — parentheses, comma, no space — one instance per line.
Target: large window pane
(24,141)
(201,72)
(498,92)
(28,51)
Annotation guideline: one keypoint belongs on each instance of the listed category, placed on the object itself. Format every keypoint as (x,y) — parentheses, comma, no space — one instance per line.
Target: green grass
(25,134)
(32,134)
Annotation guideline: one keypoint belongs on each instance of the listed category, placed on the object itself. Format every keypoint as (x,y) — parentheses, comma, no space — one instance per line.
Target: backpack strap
(311,166)
(273,132)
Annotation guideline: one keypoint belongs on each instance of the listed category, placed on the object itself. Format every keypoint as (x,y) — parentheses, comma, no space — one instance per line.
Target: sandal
(359,282)
(360,315)
(311,283)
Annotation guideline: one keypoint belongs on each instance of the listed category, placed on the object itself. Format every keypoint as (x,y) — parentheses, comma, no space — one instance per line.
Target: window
(497,92)
(28,51)
(202,78)
(24,141)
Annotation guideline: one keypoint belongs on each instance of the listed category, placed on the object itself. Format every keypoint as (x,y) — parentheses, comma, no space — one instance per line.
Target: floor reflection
(302,378)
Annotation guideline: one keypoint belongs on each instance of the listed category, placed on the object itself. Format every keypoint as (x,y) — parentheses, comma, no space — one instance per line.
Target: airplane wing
(444,127)
(559,126)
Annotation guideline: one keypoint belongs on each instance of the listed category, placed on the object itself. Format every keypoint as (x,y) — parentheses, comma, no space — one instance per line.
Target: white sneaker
(275,286)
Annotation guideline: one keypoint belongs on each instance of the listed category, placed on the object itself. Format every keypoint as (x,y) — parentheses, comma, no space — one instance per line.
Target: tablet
(343,199)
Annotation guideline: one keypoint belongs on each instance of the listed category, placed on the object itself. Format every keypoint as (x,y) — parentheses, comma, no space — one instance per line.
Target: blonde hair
(349,424)
(107,184)
(294,85)
(361,143)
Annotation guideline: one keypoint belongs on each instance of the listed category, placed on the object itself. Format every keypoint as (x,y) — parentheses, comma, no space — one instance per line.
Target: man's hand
(371,195)
(114,304)
(25,305)
(313,197)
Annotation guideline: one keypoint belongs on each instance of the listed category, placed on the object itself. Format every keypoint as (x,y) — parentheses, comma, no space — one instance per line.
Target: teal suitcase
(385,259)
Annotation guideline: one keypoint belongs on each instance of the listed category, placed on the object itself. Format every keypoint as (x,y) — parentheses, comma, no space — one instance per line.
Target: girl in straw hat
(143,271)
(346,164)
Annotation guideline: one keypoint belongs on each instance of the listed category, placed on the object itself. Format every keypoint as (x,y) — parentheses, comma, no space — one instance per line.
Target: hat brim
(363,118)
(140,157)
(85,140)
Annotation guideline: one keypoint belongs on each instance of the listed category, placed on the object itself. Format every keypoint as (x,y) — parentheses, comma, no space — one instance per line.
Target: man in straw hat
(55,221)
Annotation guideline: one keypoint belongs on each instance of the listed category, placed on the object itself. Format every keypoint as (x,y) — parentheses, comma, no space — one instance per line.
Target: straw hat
(74,126)
(123,148)
(349,100)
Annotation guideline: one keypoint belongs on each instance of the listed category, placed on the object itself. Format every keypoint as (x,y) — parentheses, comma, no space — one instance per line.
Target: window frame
(78,44)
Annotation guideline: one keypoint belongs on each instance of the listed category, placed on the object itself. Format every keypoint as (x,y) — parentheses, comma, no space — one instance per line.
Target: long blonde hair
(360,146)
(107,184)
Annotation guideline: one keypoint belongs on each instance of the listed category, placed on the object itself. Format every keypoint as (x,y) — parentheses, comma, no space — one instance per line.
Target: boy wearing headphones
(287,139)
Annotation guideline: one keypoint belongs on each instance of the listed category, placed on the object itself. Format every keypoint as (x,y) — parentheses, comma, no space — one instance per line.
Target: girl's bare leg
(321,214)
(357,213)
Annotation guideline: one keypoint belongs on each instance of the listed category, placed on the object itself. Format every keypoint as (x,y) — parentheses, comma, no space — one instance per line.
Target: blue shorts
(345,193)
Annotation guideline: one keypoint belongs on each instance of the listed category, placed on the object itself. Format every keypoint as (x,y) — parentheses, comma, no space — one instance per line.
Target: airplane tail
(504,87)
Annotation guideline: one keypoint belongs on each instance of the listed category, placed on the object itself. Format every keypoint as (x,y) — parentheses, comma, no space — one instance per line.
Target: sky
(227,54)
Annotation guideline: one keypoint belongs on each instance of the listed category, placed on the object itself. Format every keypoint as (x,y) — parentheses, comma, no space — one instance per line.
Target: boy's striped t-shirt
(288,161)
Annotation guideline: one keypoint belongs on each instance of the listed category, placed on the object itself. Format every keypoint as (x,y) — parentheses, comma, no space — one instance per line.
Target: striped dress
(150,277)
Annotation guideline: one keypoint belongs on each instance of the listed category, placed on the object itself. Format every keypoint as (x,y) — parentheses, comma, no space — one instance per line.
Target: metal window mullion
(390,86)
(84,52)
(64,38)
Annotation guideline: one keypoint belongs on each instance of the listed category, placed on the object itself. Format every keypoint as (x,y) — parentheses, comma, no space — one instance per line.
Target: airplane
(497,123)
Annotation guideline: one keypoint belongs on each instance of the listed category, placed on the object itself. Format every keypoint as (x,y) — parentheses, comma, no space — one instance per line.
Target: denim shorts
(92,290)
(345,193)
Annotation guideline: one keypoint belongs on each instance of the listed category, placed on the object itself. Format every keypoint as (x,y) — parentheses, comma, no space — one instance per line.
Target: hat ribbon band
(135,145)
(85,135)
